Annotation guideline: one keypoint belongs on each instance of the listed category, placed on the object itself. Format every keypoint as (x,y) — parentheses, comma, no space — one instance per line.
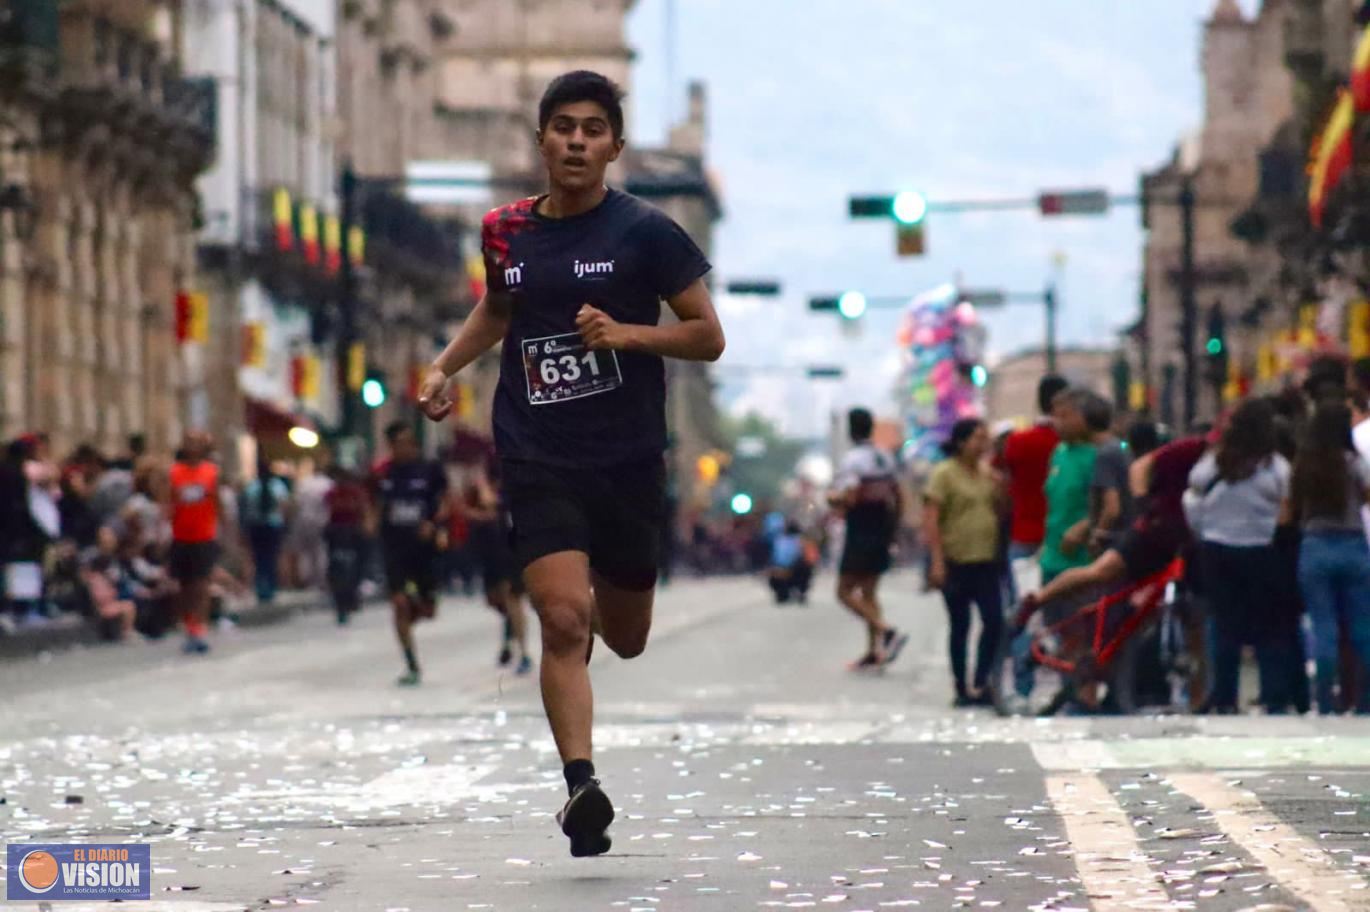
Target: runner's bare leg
(559,587)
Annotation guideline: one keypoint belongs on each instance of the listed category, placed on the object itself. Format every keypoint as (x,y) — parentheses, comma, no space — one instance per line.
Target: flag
(182,316)
(1331,156)
(332,244)
(1360,74)
(356,366)
(309,233)
(285,227)
(199,317)
(356,245)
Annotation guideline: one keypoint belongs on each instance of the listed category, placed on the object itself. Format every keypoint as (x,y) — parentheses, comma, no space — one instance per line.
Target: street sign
(870,206)
(448,183)
(1073,202)
(985,297)
(909,239)
(826,373)
(764,288)
(823,304)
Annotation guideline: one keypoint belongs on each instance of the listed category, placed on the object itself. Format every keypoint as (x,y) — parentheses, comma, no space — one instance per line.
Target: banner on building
(1358,329)
(1331,156)
(304,376)
(356,245)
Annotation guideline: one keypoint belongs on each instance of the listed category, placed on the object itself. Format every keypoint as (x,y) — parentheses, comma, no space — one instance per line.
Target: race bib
(406,513)
(561,368)
(192,494)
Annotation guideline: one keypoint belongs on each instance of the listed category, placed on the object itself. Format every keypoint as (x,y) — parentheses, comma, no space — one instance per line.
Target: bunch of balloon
(936,336)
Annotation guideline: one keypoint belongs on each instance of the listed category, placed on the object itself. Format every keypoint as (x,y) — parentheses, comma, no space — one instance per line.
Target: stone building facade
(101,137)
(1263,76)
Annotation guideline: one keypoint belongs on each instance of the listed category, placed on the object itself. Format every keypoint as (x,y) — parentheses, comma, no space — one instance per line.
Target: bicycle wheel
(1022,686)
(1138,681)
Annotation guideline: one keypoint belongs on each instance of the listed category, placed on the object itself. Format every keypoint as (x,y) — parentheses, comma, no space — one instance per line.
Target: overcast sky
(812,101)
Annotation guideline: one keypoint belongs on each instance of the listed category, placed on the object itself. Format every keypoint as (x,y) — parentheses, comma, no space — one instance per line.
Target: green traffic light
(978,375)
(910,207)
(373,393)
(742,504)
(1215,346)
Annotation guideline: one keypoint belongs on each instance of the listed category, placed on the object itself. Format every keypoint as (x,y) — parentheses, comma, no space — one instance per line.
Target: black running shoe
(868,662)
(506,655)
(585,818)
(893,644)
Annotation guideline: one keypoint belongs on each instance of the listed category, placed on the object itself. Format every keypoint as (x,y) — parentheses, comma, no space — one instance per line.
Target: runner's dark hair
(1143,437)
(583,85)
(1322,473)
(1097,411)
(860,425)
(1047,390)
(1248,441)
(394,429)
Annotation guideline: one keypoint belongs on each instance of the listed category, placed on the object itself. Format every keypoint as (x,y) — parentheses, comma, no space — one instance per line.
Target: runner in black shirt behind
(409,492)
(575,284)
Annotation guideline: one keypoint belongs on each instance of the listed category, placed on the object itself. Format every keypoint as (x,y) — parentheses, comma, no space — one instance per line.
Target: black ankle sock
(577,773)
(411,660)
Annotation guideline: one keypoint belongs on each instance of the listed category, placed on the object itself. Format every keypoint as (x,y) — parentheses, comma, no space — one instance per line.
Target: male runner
(409,493)
(867,491)
(194,509)
(575,283)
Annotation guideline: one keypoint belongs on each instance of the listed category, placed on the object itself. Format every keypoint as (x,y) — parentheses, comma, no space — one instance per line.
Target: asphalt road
(751,771)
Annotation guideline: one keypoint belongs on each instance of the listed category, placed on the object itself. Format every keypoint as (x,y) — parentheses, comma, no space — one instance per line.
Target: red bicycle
(1097,655)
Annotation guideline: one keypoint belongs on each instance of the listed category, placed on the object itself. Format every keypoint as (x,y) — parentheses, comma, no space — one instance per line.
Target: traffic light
(374,391)
(742,504)
(1215,347)
(851,305)
(908,207)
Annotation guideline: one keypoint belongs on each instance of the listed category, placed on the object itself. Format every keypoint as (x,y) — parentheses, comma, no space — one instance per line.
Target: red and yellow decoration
(1360,74)
(192,317)
(283,215)
(254,344)
(356,245)
(332,244)
(356,366)
(1358,329)
(304,376)
(309,233)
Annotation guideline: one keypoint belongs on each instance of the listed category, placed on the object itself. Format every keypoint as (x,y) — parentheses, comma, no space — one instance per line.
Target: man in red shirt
(1025,462)
(194,509)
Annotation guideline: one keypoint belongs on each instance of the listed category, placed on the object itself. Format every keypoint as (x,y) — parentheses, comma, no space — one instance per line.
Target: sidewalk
(66,631)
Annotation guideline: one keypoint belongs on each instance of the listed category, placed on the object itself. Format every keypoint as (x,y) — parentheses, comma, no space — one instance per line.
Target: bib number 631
(561,368)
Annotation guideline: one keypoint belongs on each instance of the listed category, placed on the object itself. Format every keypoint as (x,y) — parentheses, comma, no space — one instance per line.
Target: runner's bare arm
(482,330)
(697,337)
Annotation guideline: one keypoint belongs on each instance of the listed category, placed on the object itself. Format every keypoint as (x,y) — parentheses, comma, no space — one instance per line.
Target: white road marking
(1295,862)
(1114,868)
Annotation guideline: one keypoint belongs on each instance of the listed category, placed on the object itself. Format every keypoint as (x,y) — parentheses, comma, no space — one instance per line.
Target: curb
(68,632)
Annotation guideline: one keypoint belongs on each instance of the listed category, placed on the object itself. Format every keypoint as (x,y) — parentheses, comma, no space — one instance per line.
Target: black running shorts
(865,554)
(190,562)
(614,515)
(410,563)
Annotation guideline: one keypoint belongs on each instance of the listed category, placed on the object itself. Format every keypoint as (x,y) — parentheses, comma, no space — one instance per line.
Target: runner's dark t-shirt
(410,493)
(557,402)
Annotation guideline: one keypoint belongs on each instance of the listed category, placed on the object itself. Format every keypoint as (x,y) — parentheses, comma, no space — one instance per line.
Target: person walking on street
(1069,478)
(348,506)
(576,280)
(262,514)
(410,494)
(866,490)
(961,529)
(1025,464)
(1331,484)
(194,508)
(1237,494)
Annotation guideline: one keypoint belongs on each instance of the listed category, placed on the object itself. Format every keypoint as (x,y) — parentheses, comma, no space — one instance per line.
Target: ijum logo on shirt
(561,368)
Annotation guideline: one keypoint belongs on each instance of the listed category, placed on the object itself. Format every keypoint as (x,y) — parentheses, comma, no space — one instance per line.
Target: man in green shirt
(1067,487)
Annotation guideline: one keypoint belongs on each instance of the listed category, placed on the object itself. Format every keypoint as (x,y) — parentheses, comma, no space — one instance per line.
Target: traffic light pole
(347,304)
(1189,307)
(1049,304)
